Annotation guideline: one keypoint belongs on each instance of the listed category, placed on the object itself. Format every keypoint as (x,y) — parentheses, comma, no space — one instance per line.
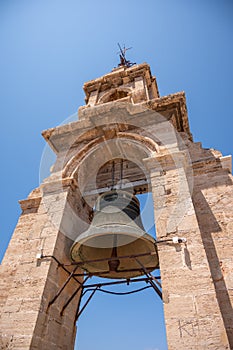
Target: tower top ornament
(123,61)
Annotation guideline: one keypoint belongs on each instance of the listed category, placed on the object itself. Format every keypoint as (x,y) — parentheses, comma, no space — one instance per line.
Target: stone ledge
(226,163)
(30,203)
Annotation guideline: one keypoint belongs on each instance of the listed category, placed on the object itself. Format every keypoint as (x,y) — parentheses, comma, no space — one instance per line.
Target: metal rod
(73,295)
(63,287)
(121,173)
(121,293)
(97,273)
(155,279)
(149,279)
(143,279)
(113,174)
(164,240)
(78,306)
(51,256)
(61,265)
(86,303)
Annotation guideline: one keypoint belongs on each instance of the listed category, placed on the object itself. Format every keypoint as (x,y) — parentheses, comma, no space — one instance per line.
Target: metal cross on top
(123,61)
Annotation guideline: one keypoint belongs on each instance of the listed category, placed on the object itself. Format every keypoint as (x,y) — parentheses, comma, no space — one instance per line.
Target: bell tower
(130,140)
(134,85)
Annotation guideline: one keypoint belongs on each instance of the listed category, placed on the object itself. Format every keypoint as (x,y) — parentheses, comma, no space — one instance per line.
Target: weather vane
(123,61)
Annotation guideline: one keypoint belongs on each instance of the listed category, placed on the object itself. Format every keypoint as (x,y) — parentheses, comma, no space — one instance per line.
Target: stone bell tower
(126,120)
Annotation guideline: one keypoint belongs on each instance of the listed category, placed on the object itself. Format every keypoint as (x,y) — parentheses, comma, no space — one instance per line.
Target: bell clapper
(114,263)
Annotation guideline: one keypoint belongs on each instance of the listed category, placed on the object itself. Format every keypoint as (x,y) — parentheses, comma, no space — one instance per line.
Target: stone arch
(72,165)
(84,166)
(115,94)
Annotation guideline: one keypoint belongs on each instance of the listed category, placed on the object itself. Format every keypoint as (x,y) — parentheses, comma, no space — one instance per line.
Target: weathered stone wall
(28,284)
(197,295)
(212,198)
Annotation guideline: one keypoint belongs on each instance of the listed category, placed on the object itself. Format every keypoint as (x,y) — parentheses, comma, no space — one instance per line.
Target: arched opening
(123,173)
(129,320)
(116,94)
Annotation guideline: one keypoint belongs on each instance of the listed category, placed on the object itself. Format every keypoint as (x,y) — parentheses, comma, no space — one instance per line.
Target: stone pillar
(45,226)
(212,198)
(192,315)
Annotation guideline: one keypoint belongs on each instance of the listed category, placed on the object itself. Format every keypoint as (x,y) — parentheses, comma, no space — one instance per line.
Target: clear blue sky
(49,48)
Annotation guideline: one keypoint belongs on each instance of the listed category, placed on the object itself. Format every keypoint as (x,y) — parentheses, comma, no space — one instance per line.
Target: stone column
(192,316)
(46,226)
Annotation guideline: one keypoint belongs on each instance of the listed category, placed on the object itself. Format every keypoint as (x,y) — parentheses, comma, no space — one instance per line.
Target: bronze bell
(116,231)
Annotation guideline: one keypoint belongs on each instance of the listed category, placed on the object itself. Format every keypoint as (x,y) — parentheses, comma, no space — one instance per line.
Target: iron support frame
(94,287)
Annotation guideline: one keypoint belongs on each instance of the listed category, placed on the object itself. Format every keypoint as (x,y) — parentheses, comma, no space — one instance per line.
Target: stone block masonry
(125,119)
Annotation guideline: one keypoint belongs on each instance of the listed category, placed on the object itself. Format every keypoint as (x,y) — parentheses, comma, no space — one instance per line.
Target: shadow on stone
(207,227)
